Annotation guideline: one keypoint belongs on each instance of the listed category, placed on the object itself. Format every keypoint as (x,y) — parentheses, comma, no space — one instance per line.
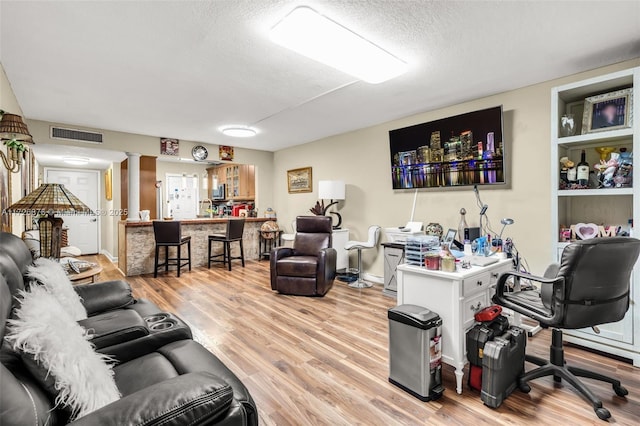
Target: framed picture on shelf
(609,111)
(300,180)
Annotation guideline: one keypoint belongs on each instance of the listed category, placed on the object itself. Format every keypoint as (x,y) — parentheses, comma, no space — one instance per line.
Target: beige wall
(148,145)
(361,159)
(9,103)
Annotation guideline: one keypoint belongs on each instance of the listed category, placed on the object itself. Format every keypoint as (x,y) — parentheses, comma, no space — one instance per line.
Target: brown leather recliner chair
(309,268)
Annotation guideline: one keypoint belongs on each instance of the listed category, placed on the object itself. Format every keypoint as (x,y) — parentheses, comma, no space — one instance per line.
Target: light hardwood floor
(324,361)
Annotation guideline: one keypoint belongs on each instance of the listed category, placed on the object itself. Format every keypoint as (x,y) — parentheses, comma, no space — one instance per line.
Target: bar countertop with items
(136,243)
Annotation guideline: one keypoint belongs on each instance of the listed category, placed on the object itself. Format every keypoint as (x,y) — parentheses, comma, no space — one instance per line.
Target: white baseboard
(109,256)
(373,278)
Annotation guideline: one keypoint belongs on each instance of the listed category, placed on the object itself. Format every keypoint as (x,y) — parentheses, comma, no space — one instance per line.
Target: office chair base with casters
(556,367)
(590,286)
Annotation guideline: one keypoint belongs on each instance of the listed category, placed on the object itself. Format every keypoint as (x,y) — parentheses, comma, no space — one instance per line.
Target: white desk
(456,297)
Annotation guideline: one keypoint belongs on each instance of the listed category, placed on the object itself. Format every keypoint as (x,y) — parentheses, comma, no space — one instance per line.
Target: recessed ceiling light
(239,131)
(317,37)
(76,161)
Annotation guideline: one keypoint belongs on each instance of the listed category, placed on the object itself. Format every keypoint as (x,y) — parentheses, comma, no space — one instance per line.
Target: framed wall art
(108,184)
(169,146)
(609,111)
(225,153)
(300,180)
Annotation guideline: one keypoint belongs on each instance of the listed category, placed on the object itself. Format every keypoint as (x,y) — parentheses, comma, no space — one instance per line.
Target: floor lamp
(47,200)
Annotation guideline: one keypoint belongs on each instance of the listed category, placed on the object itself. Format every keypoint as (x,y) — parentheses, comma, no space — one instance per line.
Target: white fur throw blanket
(51,275)
(83,380)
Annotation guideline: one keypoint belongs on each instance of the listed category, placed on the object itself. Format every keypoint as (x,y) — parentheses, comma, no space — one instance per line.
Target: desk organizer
(417,248)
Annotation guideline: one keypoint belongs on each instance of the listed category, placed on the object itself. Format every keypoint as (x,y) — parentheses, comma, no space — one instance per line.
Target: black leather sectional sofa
(163,375)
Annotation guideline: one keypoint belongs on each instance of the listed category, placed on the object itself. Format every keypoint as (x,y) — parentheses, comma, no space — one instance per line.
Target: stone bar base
(136,243)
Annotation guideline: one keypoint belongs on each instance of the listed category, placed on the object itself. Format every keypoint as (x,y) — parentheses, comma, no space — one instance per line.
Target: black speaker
(471,234)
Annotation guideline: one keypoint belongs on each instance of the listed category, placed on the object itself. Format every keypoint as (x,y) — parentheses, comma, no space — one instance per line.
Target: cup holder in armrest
(163,325)
(156,318)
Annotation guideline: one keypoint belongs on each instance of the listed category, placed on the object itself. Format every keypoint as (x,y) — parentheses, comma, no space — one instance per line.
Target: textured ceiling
(184,68)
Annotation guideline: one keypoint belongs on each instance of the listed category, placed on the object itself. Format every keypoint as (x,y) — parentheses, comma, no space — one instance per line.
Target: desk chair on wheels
(590,287)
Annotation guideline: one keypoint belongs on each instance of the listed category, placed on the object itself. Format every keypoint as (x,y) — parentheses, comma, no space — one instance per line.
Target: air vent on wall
(75,135)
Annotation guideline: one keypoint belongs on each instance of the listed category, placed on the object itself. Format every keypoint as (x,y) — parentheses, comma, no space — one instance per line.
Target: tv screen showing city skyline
(466,149)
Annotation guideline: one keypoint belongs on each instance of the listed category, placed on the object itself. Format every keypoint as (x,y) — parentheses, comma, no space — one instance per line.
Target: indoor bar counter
(136,243)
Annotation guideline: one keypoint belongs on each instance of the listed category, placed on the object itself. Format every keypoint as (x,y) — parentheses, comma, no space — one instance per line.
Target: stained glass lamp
(50,199)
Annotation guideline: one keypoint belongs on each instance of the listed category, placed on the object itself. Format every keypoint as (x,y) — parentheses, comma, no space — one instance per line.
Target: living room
(154,73)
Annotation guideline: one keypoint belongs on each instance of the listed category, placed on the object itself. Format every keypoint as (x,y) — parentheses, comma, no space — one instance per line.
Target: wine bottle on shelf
(572,175)
(583,170)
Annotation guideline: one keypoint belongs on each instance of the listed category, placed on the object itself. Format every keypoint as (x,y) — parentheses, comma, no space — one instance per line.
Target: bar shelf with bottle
(618,182)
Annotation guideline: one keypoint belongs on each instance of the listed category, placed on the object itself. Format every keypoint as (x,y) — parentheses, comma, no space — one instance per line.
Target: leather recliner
(163,380)
(309,268)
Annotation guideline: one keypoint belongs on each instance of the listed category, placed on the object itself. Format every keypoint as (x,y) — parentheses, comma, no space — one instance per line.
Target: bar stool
(168,234)
(235,229)
(372,241)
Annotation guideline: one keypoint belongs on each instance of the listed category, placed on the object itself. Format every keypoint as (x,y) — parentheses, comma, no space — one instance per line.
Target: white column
(134,186)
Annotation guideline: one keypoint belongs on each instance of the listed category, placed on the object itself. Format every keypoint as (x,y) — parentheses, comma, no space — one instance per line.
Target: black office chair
(168,234)
(590,287)
(235,229)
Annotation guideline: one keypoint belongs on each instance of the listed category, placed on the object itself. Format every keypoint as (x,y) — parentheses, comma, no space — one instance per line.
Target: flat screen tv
(466,149)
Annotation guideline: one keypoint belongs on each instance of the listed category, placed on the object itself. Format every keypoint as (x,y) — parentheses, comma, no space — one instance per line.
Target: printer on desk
(400,235)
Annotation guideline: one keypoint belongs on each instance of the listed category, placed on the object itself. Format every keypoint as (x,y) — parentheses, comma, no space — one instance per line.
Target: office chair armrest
(558,288)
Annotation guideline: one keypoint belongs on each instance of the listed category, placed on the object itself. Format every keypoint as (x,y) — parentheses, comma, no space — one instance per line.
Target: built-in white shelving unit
(613,206)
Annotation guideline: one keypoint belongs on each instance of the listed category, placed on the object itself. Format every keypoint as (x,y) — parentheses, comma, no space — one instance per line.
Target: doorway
(83,230)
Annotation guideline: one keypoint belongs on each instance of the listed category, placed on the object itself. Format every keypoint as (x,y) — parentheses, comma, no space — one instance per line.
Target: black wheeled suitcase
(502,365)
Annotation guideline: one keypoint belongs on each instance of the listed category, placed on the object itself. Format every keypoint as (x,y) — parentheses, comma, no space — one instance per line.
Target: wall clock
(199,153)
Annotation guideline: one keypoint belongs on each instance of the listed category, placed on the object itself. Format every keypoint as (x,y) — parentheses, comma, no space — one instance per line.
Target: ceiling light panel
(239,132)
(315,36)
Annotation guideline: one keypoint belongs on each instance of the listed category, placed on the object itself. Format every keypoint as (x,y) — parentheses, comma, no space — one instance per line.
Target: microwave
(219,193)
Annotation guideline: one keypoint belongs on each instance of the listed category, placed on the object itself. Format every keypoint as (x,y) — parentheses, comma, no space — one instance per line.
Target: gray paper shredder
(415,351)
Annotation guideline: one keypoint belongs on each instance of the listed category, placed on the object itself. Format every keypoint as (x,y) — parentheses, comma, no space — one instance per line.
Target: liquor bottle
(583,171)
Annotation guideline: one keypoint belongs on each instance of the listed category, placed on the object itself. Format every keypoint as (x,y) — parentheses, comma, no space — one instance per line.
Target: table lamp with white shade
(50,199)
(334,191)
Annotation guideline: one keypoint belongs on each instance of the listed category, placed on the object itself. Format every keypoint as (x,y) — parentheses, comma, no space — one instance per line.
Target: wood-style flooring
(324,361)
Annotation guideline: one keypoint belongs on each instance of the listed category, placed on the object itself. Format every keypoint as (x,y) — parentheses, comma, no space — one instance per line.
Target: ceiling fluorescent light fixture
(315,36)
(76,161)
(238,131)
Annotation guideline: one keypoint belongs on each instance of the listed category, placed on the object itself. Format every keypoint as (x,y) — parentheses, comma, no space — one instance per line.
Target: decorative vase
(434,229)
(567,125)
(462,225)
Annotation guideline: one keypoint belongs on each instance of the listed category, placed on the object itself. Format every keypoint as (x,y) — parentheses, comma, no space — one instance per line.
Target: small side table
(267,244)
(89,275)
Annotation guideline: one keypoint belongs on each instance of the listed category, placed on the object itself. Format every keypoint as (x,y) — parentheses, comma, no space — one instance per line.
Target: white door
(85,184)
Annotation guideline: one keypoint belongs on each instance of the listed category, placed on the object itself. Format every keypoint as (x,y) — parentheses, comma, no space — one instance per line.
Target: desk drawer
(476,283)
(472,305)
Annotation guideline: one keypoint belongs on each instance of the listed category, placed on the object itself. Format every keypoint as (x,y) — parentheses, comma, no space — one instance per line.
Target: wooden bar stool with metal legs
(168,234)
(235,229)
